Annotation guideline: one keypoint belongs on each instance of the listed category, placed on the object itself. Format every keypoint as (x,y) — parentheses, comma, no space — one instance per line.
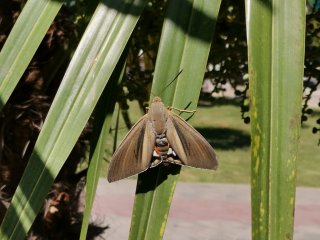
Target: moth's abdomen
(164,153)
(162,147)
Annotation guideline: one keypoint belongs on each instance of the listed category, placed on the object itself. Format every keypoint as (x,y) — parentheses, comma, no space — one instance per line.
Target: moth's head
(156,99)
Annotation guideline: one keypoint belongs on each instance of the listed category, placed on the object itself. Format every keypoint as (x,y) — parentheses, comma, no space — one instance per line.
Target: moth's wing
(190,146)
(134,152)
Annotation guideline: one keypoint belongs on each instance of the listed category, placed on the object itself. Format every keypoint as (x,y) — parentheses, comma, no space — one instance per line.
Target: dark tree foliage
(312,61)
(227,64)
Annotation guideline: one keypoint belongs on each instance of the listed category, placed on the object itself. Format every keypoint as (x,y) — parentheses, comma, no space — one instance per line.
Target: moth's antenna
(175,78)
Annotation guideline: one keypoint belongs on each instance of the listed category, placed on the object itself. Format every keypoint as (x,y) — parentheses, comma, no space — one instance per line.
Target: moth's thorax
(158,116)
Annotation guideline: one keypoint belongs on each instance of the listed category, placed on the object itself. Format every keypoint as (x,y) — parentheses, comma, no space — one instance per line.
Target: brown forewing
(190,146)
(134,153)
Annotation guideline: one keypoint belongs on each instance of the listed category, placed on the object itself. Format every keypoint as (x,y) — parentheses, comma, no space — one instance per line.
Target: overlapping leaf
(83,83)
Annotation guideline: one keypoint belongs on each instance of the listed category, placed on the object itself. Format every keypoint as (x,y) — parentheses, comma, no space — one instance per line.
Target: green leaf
(184,48)
(23,41)
(276,60)
(102,124)
(87,75)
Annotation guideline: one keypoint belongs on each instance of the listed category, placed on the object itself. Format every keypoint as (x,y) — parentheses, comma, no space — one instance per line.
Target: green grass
(223,127)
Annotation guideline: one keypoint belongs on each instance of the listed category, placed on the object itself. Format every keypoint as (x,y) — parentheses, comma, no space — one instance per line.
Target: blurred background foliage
(225,82)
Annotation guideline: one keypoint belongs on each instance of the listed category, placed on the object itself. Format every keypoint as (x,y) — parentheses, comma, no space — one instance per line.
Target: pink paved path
(201,211)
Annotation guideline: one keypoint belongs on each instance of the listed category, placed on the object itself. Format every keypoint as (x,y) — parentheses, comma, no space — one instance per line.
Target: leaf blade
(84,81)
(102,124)
(156,186)
(276,93)
(23,41)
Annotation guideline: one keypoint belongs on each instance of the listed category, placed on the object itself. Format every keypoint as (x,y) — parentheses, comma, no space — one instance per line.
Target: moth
(160,136)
